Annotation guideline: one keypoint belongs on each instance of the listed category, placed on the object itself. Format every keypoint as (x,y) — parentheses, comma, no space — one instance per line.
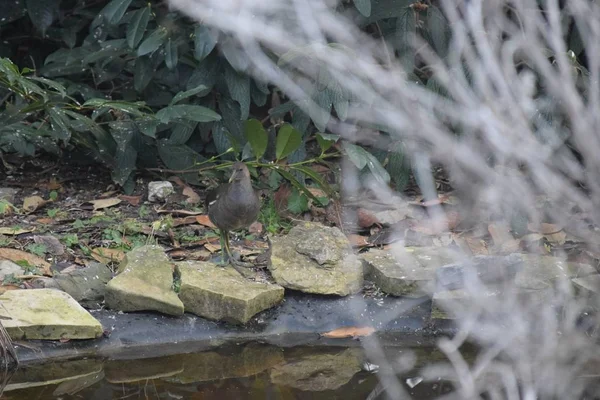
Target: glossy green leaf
(153,42)
(182,133)
(324,143)
(292,179)
(318,179)
(357,155)
(438,30)
(200,91)
(143,73)
(288,140)
(257,137)
(297,202)
(137,27)
(363,7)
(187,112)
(114,11)
(171,56)
(204,42)
(41,13)
(239,89)
(398,167)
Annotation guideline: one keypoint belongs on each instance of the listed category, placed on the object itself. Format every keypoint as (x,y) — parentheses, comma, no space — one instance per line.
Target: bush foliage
(132,84)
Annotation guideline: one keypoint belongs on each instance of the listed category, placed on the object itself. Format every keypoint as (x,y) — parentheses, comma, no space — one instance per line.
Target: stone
(408,271)
(8,194)
(46,314)
(541,272)
(222,294)
(159,190)
(44,282)
(10,268)
(241,362)
(314,258)
(589,285)
(327,370)
(485,269)
(144,283)
(86,285)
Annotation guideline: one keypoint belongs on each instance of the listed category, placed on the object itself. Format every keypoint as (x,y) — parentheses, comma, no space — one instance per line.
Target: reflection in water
(251,371)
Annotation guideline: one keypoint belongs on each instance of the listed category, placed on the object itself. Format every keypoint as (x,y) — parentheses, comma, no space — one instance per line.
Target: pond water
(248,371)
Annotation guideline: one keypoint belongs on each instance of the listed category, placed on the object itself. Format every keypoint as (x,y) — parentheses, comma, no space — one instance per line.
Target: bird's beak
(233,176)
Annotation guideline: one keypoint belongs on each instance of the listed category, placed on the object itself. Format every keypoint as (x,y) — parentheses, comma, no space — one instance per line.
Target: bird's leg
(225,252)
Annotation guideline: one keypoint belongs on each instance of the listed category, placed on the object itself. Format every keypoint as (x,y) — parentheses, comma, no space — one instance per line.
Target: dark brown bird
(233,206)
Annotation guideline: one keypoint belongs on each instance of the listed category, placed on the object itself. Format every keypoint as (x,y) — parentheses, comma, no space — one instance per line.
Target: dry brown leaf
(104,203)
(442,199)
(280,199)
(178,181)
(366,219)
(184,221)
(500,233)
(133,200)
(18,255)
(5,288)
(255,228)
(317,192)
(213,248)
(13,231)
(53,184)
(358,240)
(32,203)
(478,246)
(544,228)
(53,245)
(557,238)
(205,221)
(45,221)
(179,212)
(192,196)
(350,331)
(105,255)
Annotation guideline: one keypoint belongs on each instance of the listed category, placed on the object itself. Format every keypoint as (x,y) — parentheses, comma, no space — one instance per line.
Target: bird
(232,206)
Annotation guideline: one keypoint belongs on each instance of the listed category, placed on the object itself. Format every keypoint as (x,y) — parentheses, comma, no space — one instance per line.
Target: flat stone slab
(145,282)
(221,293)
(409,271)
(86,285)
(46,314)
(314,258)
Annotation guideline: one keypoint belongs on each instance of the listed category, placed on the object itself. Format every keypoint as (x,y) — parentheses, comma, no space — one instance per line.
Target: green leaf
(127,107)
(239,89)
(324,143)
(137,27)
(357,155)
(257,137)
(321,111)
(315,177)
(296,183)
(182,133)
(153,42)
(143,73)
(187,112)
(180,157)
(200,91)
(398,168)
(363,7)
(171,56)
(297,202)
(204,42)
(379,173)
(438,30)
(60,123)
(41,13)
(114,11)
(288,140)
(405,34)
(52,84)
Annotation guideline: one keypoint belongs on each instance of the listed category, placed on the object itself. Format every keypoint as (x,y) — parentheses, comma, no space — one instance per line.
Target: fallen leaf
(184,221)
(442,199)
(106,255)
(366,219)
(205,221)
(213,248)
(255,228)
(45,221)
(358,240)
(192,196)
(13,231)
(107,194)
(53,184)
(19,255)
(349,332)
(317,192)
(478,246)
(178,181)
(178,212)
(500,233)
(53,245)
(133,200)
(557,238)
(5,288)
(544,228)
(104,203)
(30,204)
(280,199)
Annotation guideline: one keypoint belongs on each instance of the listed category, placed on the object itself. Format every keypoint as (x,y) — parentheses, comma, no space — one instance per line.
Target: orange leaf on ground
(500,233)
(366,219)
(204,220)
(105,255)
(30,204)
(350,331)
(104,203)
(281,197)
(255,228)
(544,228)
(213,248)
(184,221)
(45,221)
(357,240)
(133,200)
(192,196)
(18,255)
